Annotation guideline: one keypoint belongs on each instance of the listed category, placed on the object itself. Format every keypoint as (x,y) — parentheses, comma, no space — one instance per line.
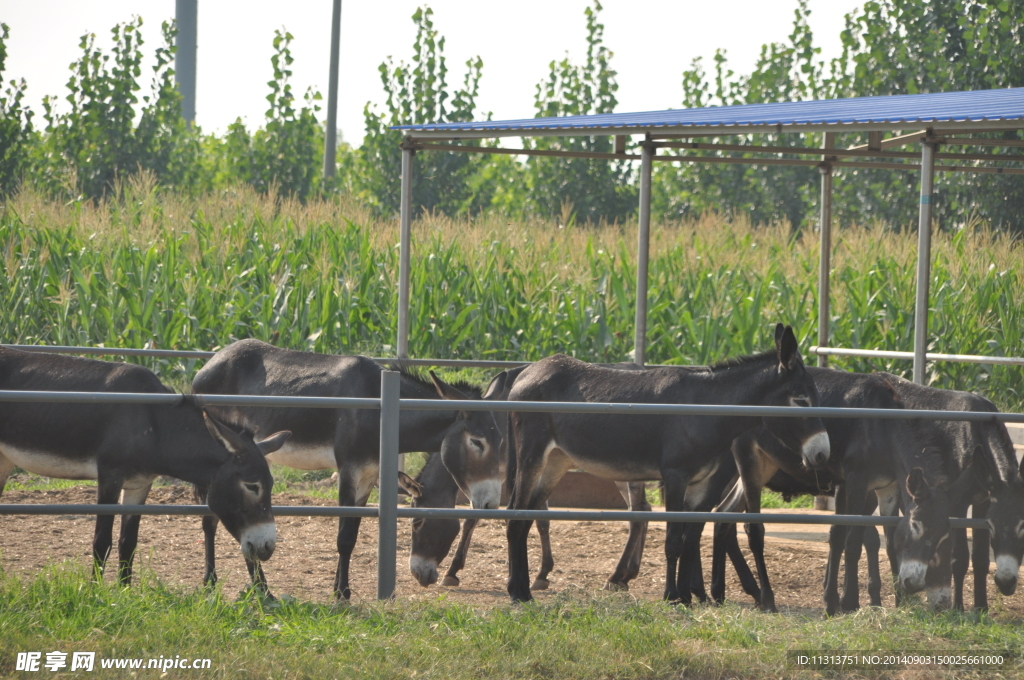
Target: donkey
(124,447)
(349,439)
(884,458)
(676,449)
(432,538)
(998,493)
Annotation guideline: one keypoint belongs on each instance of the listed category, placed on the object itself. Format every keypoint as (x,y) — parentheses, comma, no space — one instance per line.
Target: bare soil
(303,565)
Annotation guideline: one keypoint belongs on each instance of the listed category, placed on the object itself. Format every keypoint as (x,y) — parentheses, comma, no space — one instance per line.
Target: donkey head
(239,494)
(471,450)
(793,386)
(923,545)
(1005,519)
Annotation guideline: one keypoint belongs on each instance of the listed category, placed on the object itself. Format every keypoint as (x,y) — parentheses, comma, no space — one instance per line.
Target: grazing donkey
(679,450)
(998,493)
(124,447)
(349,439)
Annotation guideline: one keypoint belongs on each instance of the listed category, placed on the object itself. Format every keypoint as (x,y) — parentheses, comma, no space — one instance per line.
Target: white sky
(653,42)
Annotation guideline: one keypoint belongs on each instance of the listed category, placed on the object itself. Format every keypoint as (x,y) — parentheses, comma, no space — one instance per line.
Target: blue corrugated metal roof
(960,109)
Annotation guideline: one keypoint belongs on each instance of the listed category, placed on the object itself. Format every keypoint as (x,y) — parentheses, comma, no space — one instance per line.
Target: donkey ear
(227,437)
(409,486)
(916,485)
(966,484)
(444,390)
(787,347)
(496,388)
(779,330)
(273,442)
(984,471)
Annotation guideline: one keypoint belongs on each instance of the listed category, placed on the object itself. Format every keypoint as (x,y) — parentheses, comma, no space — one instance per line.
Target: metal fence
(388,512)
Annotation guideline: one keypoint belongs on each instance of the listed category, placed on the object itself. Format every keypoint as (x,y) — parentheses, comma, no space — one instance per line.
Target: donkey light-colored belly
(304,457)
(49,464)
(623,470)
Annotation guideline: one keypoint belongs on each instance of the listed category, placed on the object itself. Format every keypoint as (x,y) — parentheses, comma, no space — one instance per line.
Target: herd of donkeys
(925,470)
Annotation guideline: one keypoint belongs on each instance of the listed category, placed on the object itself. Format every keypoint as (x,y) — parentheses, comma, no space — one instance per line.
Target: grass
(162,270)
(577,635)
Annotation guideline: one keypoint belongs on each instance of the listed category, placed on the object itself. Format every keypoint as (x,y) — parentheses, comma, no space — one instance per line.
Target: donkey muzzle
(258,541)
(1007,567)
(424,570)
(816,451)
(912,573)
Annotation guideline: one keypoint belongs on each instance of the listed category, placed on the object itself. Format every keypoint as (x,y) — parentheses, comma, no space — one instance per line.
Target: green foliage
(572,635)
(576,188)
(106,135)
(783,72)
(15,125)
(286,154)
(418,93)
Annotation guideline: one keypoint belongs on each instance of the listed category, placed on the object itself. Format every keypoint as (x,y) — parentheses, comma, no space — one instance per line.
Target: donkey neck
(439,487)
(422,430)
(744,381)
(185,449)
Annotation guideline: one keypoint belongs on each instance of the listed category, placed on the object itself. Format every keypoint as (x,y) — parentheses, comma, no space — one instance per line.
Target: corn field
(162,270)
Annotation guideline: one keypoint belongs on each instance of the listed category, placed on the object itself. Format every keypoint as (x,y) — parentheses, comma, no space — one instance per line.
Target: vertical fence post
(331,126)
(405,238)
(825,252)
(642,254)
(186,18)
(924,259)
(387,518)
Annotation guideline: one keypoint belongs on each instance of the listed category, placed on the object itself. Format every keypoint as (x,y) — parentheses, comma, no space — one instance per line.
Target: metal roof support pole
(924,257)
(387,508)
(642,250)
(186,18)
(331,125)
(825,257)
(403,253)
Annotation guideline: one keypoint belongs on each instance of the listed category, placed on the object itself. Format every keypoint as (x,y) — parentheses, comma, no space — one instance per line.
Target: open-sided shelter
(952,119)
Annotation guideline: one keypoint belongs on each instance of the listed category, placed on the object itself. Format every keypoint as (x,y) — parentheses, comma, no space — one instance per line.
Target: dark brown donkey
(124,447)
(349,439)
(678,450)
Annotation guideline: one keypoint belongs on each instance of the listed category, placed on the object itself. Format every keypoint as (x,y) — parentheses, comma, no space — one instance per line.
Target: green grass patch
(574,635)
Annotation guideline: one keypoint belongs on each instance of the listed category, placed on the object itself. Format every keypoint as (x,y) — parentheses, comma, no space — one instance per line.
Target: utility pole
(185,14)
(331,131)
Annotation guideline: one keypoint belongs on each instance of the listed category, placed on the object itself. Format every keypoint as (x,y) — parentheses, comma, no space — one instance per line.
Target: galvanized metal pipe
(403,254)
(507,406)
(924,259)
(930,356)
(404,512)
(642,253)
(825,248)
(331,124)
(186,18)
(387,526)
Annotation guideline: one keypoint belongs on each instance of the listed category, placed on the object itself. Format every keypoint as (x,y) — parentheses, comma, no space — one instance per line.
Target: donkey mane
(732,362)
(420,376)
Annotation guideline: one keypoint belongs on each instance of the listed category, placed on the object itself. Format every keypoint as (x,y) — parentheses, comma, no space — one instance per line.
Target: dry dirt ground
(303,566)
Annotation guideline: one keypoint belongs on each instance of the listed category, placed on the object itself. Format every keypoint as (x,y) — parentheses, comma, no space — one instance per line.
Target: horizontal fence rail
(506,406)
(470,513)
(909,356)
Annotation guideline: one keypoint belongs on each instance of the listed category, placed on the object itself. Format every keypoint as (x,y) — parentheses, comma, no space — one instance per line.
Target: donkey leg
(889,506)
(108,492)
(856,498)
(960,559)
(354,485)
(677,575)
(128,540)
(451,577)
(872,543)
(979,558)
(210,523)
(6,468)
(628,567)
(547,561)
(721,535)
(836,541)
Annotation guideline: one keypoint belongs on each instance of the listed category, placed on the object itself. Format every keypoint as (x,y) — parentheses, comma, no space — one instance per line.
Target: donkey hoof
(540,584)
(616,586)
(450,581)
(345,594)
(210,579)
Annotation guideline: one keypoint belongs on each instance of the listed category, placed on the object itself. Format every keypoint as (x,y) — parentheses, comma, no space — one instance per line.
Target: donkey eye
(477,444)
(800,401)
(254,489)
